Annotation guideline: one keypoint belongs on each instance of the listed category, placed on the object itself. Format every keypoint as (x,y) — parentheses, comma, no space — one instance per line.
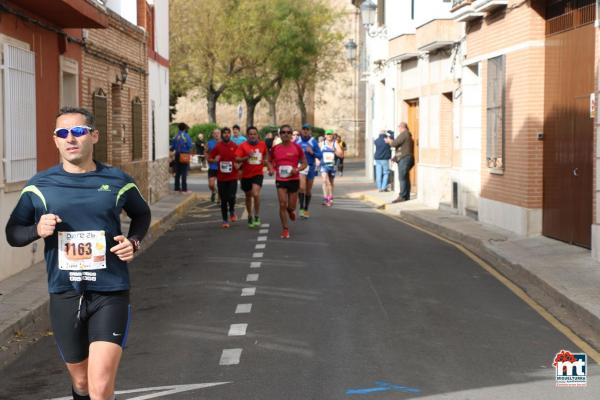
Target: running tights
(227,191)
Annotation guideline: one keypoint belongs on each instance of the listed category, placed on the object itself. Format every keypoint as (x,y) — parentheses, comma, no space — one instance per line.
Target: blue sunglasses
(76,131)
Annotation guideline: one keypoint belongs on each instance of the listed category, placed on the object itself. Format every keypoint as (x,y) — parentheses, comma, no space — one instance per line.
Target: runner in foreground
(284,159)
(312,153)
(213,167)
(329,150)
(227,175)
(252,154)
(75,207)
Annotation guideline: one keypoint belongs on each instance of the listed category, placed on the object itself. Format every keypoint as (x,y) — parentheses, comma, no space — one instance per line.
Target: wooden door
(413,126)
(568,136)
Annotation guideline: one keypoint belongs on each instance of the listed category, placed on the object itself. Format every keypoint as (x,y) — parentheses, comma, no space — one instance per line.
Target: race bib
(255,158)
(81,250)
(226,167)
(285,171)
(328,158)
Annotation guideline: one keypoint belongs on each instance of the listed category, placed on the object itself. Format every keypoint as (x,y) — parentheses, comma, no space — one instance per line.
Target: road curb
(160,226)
(579,319)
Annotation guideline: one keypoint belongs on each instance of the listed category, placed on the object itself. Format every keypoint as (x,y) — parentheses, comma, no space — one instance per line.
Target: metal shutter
(136,127)
(99,104)
(20,151)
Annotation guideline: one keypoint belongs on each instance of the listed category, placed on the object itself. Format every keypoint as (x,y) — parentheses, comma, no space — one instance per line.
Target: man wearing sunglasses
(286,160)
(75,207)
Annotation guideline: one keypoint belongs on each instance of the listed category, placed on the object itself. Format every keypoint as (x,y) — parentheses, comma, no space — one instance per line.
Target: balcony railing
(571,20)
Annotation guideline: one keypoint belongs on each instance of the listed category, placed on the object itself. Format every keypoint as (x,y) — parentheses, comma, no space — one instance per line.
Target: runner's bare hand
(123,250)
(47,225)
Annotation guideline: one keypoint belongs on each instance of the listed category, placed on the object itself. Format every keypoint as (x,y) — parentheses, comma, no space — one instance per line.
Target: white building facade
(415,74)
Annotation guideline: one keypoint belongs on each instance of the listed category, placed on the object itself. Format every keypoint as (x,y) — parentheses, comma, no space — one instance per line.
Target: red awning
(67,13)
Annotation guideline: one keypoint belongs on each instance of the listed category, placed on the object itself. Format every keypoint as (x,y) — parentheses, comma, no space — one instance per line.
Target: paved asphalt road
(355,305)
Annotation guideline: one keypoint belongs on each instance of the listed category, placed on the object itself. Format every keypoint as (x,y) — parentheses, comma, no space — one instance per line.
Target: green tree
(204,42)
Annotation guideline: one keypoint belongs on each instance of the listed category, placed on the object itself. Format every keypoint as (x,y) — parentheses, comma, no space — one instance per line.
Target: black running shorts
(103,316)
(212,173)
(291,186)
(248,182)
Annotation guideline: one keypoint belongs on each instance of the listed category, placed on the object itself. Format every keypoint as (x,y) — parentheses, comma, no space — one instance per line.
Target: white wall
(125,8)
(426,10)
(161,27)
(158,82)
(158,93)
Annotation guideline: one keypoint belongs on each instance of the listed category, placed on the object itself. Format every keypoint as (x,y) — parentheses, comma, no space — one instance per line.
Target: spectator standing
(200,148)
(405,158)
(383,154)
(181,144)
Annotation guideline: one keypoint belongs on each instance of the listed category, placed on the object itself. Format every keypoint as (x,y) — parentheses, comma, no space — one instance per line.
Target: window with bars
(495,114)
(100,107)
(19,111)
(136,128)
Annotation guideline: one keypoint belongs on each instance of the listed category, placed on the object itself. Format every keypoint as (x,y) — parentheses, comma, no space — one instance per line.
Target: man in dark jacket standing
(404,157)
(382,156)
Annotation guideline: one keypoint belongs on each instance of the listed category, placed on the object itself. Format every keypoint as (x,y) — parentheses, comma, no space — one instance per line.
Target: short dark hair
(225,129)
(183,126)
(89,117)
(236,126)
(250,128)
(285,126)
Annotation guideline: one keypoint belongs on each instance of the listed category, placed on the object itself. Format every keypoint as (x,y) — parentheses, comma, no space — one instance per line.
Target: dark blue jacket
(90,201)
(382,149)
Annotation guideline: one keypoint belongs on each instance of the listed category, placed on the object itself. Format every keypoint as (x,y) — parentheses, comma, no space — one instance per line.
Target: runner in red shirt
(252,154)
(283,160)
(224,155)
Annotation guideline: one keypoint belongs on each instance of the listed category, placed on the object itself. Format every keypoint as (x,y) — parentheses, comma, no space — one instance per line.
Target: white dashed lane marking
(237,330)
(260,246)
(249,291)
(243,308)
(262,239)
(265,225)
(230,357)
(255,264)
(251,277)
(257,255)
(263,231)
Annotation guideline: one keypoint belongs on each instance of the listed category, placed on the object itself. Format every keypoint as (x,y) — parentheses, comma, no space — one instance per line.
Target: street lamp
(351,47)
(368,14)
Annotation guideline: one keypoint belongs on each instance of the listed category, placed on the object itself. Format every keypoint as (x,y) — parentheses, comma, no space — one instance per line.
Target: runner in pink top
(283,161)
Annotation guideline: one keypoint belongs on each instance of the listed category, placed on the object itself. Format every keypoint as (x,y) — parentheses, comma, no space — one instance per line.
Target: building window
(100,107)
(136,128)
(19,113)
(69,82)
(495,114)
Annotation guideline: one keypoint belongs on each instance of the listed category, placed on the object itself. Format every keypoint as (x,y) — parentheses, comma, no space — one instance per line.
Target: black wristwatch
(136,245)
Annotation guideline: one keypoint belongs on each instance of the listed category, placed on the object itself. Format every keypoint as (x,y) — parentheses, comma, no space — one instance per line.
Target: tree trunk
(211,102)
(300,90)
(250,108)
(273,110)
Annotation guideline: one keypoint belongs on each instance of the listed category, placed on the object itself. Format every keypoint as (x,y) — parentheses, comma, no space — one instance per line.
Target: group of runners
(295,164)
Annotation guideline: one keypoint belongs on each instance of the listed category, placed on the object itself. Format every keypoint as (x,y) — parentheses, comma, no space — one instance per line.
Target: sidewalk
(24,296)
(563,279)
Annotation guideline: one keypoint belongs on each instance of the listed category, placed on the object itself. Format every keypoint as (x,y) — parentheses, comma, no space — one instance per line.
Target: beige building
(501,98)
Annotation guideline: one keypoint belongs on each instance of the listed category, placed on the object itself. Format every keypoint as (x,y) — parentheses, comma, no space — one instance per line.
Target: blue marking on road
(382,386)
